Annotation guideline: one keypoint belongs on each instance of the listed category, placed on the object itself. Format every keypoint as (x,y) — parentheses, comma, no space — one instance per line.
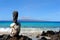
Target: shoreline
(28,31)
(34,33)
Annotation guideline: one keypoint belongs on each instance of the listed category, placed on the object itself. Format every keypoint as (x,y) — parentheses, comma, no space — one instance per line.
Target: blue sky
(48,10)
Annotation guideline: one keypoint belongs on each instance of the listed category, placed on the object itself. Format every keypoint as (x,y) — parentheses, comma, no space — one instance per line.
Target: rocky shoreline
(21,37)
(49,35)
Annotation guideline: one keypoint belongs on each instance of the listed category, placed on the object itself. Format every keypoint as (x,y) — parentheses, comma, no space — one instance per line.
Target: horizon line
(33,20)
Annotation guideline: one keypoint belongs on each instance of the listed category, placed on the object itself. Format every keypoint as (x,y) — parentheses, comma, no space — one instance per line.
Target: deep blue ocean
(32,24)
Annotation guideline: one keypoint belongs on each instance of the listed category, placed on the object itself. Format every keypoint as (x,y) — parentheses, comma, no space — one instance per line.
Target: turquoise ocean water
(31,24)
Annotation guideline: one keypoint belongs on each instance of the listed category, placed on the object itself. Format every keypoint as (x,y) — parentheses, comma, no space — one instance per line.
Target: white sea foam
(35,31)
(29,30)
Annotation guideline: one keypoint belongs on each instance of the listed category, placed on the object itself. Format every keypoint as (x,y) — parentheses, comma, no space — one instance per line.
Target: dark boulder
(43,38)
